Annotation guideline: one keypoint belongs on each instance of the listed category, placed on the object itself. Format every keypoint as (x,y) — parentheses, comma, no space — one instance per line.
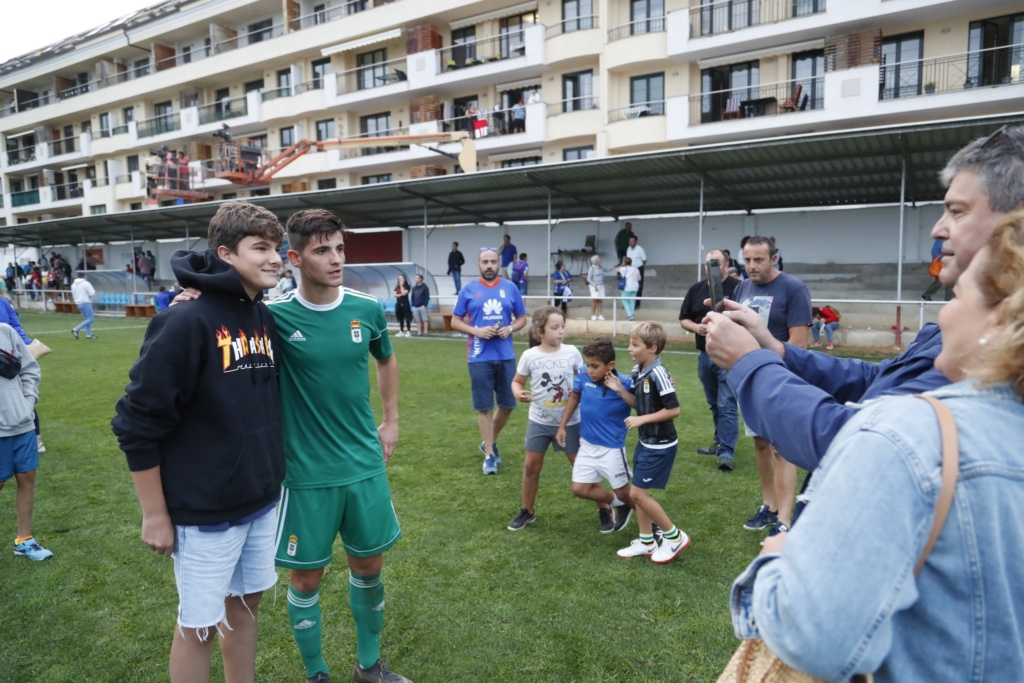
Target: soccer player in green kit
(335,454)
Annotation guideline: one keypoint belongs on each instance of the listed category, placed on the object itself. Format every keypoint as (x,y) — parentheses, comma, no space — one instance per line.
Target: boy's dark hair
(303,226)
(234,221)
(522,257)
(650,333)
(600,349)
(162,289)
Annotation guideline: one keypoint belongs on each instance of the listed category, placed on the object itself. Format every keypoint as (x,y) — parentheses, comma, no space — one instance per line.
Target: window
(647,16)
(513,43)
(98,209)
(577,15)
(719,17)
(516,163)
(284,78)
(128,113)
(802,8)
(375,125)
(809,72)
(327,184)
(261,30)
(372,70)
(254,85)
(263,192)
(133,163)
(721,84)
(899,79)
(464,45)
(186,54)
(229,195)
(321,67)
(578,91)
(105,125)
(996,52)
(648,91)
(324,130)
(374,179)
(86,128)
(140,68)
(135,206)
(163,117)
(319,14)
(577,153)
(287,137)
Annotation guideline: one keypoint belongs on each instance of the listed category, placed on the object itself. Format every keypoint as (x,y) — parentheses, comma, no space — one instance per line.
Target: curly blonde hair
(1001,281)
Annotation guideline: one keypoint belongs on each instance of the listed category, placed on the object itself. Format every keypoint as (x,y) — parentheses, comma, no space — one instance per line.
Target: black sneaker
(761,520)
(622,515)
(378,673)
(725,463)
(710,450)
(607,523)
(777,529)
(522,519)
(321,677)
(74,332)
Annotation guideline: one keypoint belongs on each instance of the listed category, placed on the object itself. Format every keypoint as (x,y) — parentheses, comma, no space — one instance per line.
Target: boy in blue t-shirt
(495,310)
(521,274)
(602,453)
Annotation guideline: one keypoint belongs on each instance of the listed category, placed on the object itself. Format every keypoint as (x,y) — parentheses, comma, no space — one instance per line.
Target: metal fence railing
(637,28)
(637,110)
(765,99)
(725,16)
(371,76)
(989,67)
(573,24)
(475,52)
(158,125)
(571,104)
(223,110)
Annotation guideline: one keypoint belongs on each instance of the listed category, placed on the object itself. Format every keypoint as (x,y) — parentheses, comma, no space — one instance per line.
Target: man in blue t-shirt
(784,304)
(495,309)
(508,256)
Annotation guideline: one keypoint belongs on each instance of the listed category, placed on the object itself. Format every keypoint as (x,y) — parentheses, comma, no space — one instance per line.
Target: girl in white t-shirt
(633,277)
(550,367)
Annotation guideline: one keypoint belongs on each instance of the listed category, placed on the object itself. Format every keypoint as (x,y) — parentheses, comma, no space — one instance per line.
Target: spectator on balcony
(518,117)
(172,170)
(534,97)
(499,118)
(471,115)
(184,180)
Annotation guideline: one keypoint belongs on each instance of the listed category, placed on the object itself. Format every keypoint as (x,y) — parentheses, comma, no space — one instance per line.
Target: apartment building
(80,119)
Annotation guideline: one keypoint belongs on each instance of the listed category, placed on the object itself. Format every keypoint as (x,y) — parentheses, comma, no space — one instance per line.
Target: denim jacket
(842,597)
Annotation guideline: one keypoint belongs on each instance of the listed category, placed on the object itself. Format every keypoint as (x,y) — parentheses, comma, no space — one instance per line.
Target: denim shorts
(211,565)
(652,466)
(490,377)
(18,454)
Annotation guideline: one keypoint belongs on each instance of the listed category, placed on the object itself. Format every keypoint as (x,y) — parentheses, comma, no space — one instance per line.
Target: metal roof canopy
(862,167)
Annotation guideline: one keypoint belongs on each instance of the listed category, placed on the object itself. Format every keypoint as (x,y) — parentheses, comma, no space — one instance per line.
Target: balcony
(158,125)
(639,27)
(575,39)
(637,111)
(223,110)
(385,83)
(21,155)
(27,198)
(636,43)
(725,16)
(574,117)
(276,93)
(952,73)
(768,99)
(640,125)
(474,53)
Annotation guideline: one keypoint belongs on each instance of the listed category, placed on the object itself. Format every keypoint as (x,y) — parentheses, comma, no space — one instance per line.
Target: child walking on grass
(654,398)
(550,367)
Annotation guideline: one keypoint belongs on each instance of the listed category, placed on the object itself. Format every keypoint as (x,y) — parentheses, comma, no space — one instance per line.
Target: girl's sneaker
(637,548)
(32,550)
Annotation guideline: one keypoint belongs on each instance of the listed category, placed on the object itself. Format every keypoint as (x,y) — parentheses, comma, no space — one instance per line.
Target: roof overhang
(382,37)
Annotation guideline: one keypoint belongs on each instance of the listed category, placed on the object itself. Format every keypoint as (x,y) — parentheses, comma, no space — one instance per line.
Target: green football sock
(366,600)
(305,618)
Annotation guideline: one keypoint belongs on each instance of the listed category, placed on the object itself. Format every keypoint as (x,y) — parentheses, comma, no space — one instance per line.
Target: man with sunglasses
(495,310)
(797,399)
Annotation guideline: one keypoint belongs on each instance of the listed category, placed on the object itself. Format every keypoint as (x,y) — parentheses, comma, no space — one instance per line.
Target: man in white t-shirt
(639,257)
(82,292)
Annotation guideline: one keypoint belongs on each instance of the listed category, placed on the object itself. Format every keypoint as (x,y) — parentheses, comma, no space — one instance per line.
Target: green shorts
(309,520)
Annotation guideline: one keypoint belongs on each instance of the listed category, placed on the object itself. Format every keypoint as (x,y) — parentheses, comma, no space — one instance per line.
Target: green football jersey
(330,435)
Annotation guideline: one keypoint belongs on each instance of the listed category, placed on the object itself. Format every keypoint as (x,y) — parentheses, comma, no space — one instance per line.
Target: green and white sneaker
(637,548)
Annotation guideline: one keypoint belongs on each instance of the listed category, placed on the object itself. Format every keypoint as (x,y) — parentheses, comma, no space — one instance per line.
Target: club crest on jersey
(647,386)
(293,545)
(357,332)
(501,292)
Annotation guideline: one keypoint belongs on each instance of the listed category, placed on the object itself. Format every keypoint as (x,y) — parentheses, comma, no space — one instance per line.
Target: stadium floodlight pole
(700,232)
(899,261)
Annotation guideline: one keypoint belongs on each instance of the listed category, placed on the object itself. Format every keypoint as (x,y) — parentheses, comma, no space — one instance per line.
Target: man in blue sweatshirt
(797,398)
(200,424)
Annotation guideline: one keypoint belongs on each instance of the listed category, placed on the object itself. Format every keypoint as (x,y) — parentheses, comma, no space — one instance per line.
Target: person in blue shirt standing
(495,310)
(508,256)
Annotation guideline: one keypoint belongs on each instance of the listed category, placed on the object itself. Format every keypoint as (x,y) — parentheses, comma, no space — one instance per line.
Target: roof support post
(425,269)
(547,287)
(899,259)
(700,230)
(134,262)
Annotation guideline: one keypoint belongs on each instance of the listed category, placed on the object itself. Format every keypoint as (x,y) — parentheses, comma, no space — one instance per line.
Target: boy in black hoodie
(200,424)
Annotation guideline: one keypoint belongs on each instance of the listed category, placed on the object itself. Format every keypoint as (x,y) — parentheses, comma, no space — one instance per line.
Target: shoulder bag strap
(950,471)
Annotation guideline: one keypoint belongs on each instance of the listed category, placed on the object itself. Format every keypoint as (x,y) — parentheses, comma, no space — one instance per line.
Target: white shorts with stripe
(596,463)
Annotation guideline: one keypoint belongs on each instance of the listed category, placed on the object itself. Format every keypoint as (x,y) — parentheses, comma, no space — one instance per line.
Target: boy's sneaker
(522,519)
(378,673)
(668,550)
(710,450)
(32,550)
(74,332)
(762,519)
(659,535)
(725,463)
(815,343)
(637,548)
(40,448)
(321,677)
(777,529)
(91,336)
(497,458)
(829,347)
(490,465)
(607,523)
(622,516)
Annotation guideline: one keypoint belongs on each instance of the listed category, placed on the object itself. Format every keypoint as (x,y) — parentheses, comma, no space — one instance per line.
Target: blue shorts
(489,378)
(211,565)
(652,466)
(18,454)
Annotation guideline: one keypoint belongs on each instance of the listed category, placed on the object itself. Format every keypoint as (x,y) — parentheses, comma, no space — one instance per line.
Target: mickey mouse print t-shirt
(551,378)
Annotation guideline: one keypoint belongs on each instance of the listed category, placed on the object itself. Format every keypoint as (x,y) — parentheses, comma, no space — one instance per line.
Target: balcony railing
(334,12)
(584,23)
(223,110)
(637,110)
(21,155)
(637,28)
(76,90)
(989,67)
(725,16)
(766,99)
(62,146)
(276,93)
(315,84)
(100,182)
(473,53)
(372,76)
(66,191)
(572,104)
(158,125)
(26,198)
(496,123)
(122,178)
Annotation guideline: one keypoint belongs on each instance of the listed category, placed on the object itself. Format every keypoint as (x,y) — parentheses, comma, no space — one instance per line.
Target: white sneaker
(637,549)
(40,448)
(600,317)
(668,550)
(593,317)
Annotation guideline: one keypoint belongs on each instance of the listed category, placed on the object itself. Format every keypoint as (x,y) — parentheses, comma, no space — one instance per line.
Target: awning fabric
(362,42)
